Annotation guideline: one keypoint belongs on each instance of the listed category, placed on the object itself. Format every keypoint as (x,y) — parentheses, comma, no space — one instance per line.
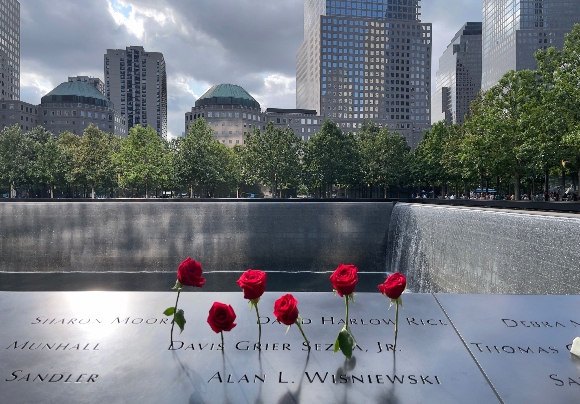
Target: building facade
(9,50)
(136,83)
(71,106)
(232,112)
(74,105)
(458,76)
(14,112)
(366,60)
(513,30)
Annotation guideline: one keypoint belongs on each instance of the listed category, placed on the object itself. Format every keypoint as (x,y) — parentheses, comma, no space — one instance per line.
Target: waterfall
(467,250)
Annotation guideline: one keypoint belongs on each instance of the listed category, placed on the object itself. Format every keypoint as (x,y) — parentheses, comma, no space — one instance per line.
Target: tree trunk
(547,182)
(517,186)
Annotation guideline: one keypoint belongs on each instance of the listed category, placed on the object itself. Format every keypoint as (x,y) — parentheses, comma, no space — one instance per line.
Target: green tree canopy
(384,157)
(331,157)
(14,160)
(143,160)
(272,157)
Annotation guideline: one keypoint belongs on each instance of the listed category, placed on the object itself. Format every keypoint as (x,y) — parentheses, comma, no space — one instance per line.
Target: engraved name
(371,378)
(508,322)
(565,381)
(20,376)
(84,321)
(512,349)
(55,346)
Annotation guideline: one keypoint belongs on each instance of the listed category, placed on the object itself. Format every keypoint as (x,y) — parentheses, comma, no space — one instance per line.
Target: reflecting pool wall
(155,236)
(467,250)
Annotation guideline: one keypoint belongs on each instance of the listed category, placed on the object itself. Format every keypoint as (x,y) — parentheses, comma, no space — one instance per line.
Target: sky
(251,43)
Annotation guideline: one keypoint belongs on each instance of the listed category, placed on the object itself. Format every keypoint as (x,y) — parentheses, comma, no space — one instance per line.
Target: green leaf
(180,320)
(346,343)
(169,311)
(336,345)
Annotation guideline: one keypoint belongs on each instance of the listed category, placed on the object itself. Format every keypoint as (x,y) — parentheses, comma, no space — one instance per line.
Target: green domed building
(74,105)
(232,112)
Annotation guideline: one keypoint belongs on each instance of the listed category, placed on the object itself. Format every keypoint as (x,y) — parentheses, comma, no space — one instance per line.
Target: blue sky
(205,42)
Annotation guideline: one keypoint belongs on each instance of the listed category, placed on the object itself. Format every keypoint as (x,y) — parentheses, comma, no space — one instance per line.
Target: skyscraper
(514,29)
(9,50)
(136,83)
(458,75)
(366,60)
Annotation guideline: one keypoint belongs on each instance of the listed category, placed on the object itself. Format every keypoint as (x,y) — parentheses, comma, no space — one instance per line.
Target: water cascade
(466,250)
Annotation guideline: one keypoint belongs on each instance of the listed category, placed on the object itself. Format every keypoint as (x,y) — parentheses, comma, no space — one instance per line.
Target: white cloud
(37,81)
(133,23)
(279,91)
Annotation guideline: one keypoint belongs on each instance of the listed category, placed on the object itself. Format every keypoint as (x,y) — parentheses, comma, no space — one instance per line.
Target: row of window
(376,24)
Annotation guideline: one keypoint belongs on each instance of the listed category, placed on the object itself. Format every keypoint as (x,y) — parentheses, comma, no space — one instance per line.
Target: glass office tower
(366,60)
(458,75)
(514,29)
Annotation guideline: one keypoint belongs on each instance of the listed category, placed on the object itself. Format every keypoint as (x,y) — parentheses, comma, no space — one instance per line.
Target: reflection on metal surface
(134,362)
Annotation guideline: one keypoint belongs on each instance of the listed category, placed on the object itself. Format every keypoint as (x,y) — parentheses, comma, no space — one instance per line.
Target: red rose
(253,283)
(344,279)
(189,273)
(221,317)
(285,309)
(394,285)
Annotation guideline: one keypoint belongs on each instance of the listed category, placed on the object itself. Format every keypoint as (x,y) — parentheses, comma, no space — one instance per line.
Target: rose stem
(259,325)
(302,332)
(174,313)
(396,324)
(346,300)
(223,346)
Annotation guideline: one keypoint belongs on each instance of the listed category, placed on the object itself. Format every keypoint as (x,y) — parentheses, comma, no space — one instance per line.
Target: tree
(14,150)
(143,159)
(331,158)
(560,74)
(68,144)
(93,164)
(384,157)
(197,161)
(509,113)
(227,173)
(45,165)
(428,163)
(272,157)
